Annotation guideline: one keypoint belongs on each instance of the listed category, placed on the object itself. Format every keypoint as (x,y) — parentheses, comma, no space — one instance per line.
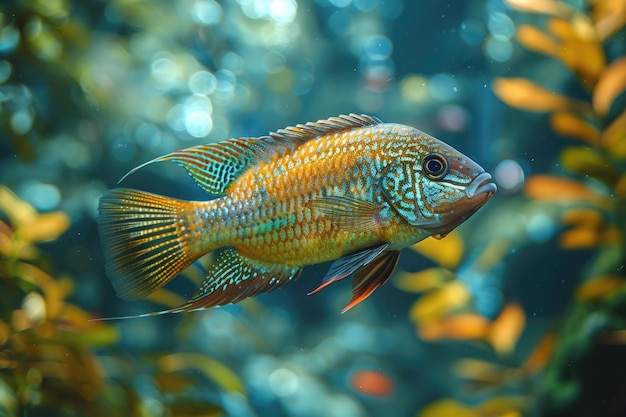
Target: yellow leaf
(438,303)
(493,254)
(446,252)
(467,326)
(585,217)
(551,7)
(580,238)
(610,16)
(562,28)
(44,227)
(614,137)
(507,328)
(19,212)
(620,187)
(535,40)
(585,58)
(524,94)
(612,83)
(567,124)
(505,406)
(195,408)
(542,353)
(553,189)
(615,337)
(94,337)
(423,280)
(599,287)
(484,371)
(589,162)
(447,408)
(214,370)
(5,333)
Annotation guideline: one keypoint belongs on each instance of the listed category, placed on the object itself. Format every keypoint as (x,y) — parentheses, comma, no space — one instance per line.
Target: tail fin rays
(144,241)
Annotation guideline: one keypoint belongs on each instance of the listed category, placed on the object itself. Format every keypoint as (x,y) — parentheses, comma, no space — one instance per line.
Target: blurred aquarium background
(519,312)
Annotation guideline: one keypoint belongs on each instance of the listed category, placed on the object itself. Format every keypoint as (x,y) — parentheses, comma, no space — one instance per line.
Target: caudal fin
(145,240)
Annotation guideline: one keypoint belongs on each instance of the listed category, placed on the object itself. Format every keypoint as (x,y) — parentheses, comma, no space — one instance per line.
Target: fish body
(350,189)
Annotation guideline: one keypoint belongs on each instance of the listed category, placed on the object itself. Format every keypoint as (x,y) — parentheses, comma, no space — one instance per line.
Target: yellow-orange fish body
(348,188)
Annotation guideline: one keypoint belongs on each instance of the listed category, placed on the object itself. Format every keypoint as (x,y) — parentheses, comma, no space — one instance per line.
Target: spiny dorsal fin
(214,166)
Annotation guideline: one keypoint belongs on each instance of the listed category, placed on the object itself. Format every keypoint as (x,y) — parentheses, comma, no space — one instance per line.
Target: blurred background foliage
(519,312)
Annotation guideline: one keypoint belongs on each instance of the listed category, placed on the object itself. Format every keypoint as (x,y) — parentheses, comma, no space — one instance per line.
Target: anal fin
(230,279)
(233,278)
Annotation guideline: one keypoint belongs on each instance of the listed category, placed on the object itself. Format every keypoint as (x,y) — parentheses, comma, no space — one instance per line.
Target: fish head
(438,188)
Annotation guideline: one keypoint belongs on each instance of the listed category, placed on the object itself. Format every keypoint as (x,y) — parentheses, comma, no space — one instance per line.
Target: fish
(348,189)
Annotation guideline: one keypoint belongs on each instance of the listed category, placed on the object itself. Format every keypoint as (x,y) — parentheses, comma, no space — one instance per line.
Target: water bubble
(391,9)
(9,39)
(5,70)
(501,25)
(509,175)
(175,118)
(452,118)
(202,82)
(365,5)
(198,121)
(44,197)
(207,12)
(377,47)
(283,382)
(540,227)
(21,121)
(442,87)
(233,62)
(164,70)
(339,22)
(499,48)
(283,11)
(123,149)
(472,32)
(148,136)
(414,89)
(340,3)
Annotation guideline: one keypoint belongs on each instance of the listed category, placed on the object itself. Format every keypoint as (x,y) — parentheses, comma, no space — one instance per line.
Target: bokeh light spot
(509,175)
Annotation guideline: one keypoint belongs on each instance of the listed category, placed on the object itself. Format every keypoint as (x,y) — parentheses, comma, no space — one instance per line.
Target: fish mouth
(480,185)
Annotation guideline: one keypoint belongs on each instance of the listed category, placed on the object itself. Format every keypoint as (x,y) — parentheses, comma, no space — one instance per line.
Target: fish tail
(146,240)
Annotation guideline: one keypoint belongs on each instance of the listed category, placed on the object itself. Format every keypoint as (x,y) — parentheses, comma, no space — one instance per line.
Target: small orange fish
(350,189)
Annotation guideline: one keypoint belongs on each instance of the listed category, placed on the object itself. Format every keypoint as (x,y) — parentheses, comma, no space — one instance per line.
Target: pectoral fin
(347,212)
(372,276)
(349,264)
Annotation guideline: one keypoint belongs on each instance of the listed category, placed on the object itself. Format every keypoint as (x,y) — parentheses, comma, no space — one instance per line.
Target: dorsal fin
(215,165)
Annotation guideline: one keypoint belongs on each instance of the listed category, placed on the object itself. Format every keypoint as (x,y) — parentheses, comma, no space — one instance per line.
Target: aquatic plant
(587,194)
(53,359)
(590,192)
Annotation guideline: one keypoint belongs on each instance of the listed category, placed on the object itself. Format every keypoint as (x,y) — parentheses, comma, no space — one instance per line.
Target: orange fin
(349,264)
(372,276)
(143,240)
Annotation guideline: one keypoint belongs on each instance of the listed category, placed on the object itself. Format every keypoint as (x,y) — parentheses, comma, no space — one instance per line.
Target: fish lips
(481,185)
(478,192)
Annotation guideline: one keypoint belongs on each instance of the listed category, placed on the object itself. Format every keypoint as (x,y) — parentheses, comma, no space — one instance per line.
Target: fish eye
(435,166)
